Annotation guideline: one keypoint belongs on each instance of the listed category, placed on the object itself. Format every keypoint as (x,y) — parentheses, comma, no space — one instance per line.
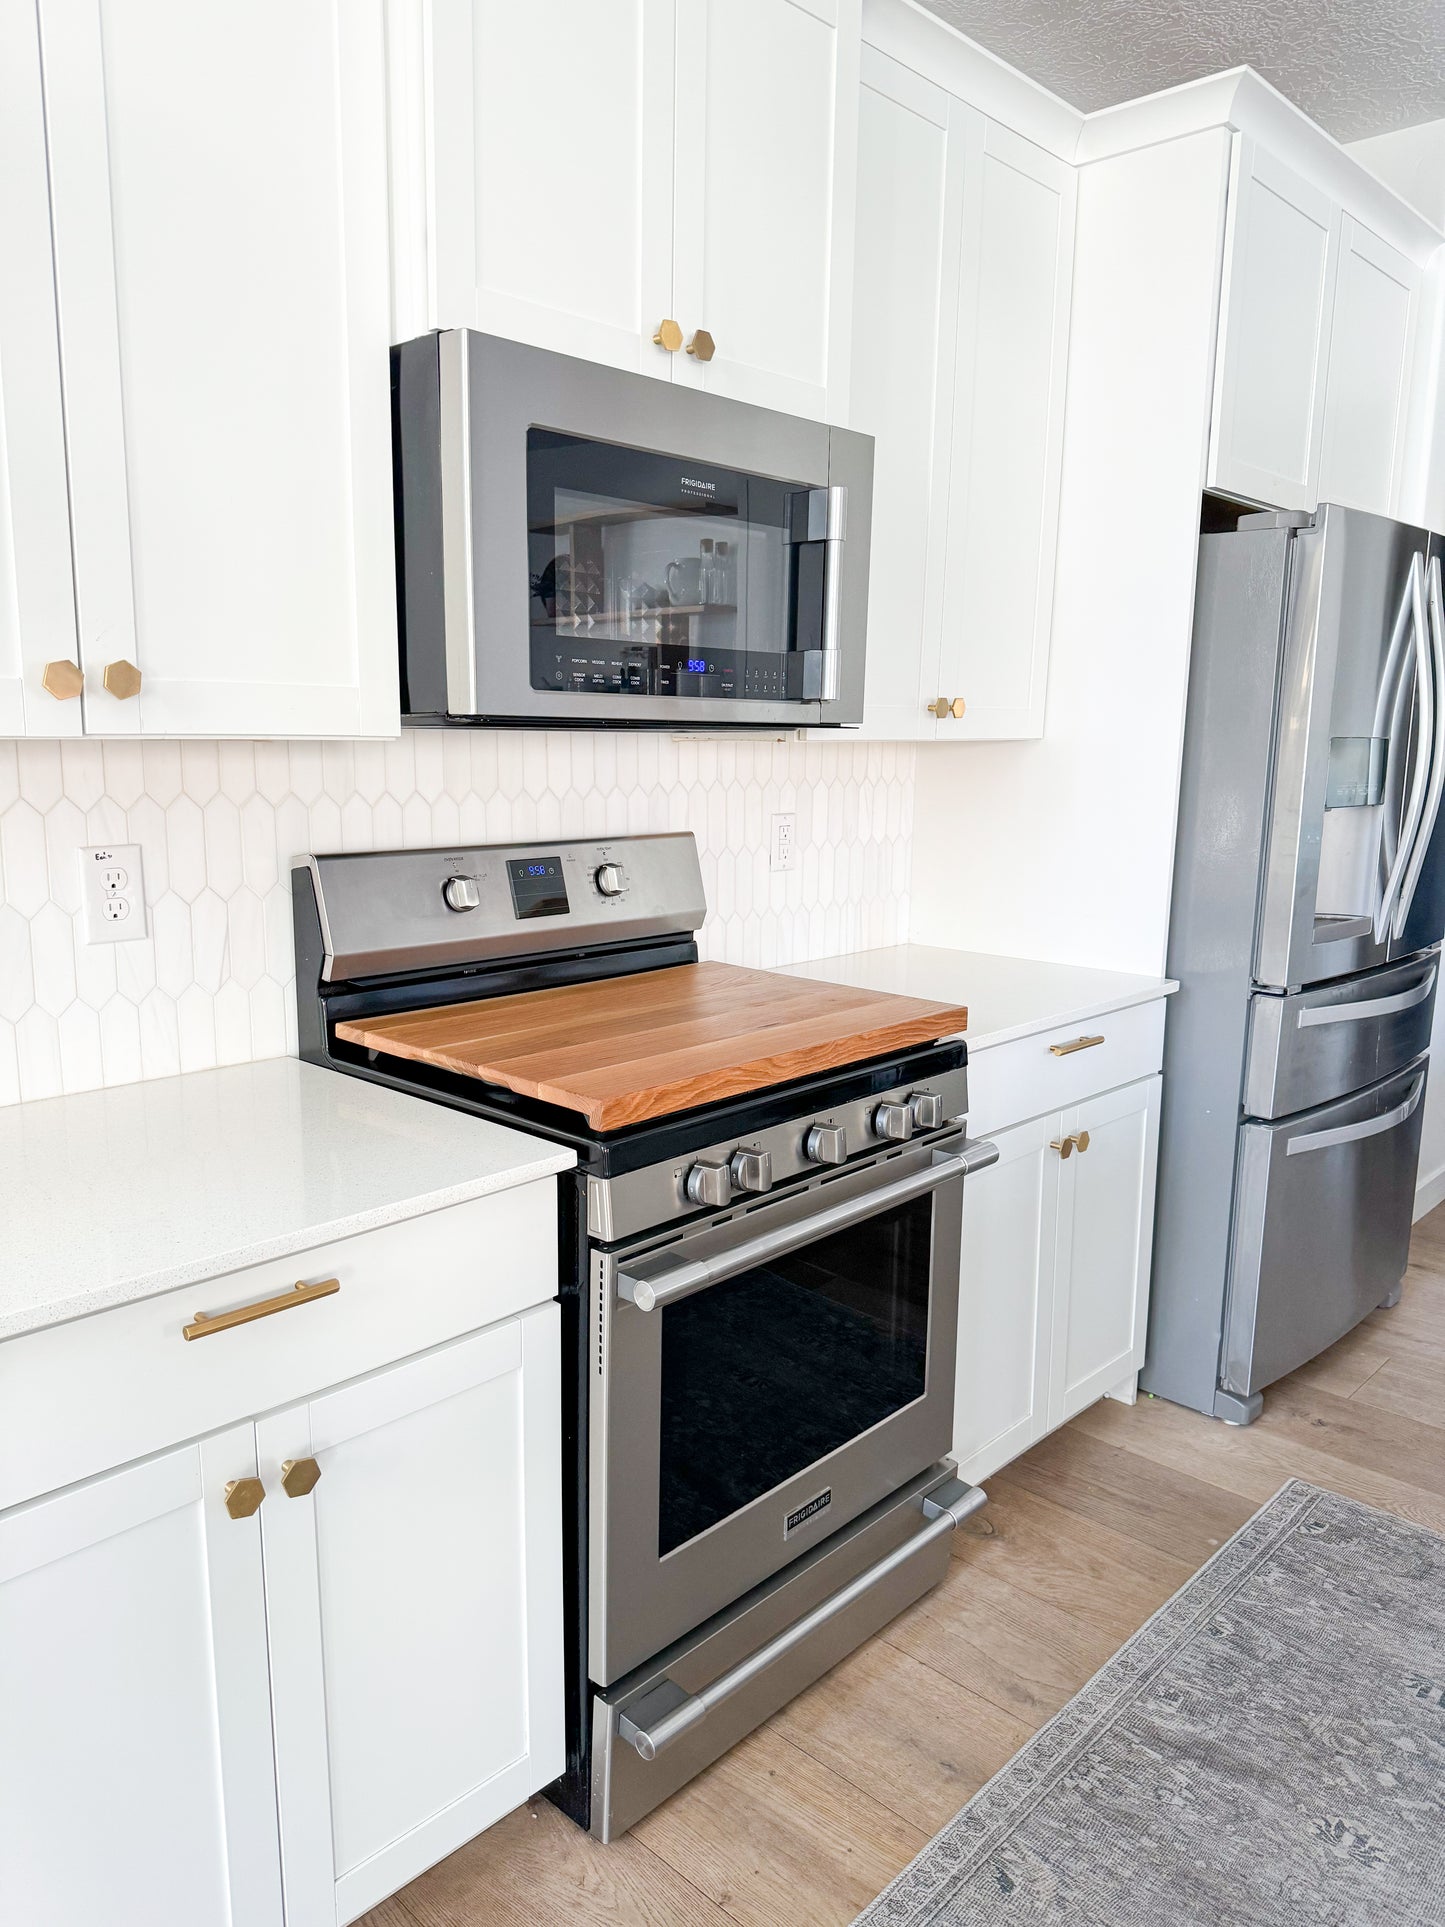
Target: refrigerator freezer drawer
(1317,1045)
(1321,1226)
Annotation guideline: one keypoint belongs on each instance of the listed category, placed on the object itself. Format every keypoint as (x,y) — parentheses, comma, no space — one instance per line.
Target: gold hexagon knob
(122,679)
(1063,1145)
(62,679)
(298,1477)
(243,1497)
(943,706)
(1081,1138)
(702,346)
(668,336)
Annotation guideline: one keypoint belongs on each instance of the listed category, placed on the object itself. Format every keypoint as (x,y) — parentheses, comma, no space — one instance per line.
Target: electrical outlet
(112,893)
(785,841)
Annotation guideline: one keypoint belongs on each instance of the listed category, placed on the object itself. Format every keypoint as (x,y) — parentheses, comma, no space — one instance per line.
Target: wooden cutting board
(629,1048)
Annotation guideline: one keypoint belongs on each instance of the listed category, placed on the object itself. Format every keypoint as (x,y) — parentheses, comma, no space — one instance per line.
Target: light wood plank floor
(1085,1536)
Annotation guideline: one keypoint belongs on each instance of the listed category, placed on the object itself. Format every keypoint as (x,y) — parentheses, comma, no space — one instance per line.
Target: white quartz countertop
(119,1194)
(1006,997)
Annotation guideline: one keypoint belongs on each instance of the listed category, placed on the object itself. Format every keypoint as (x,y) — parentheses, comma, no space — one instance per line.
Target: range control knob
(893,1121)
(752,1170)
(709,1182)
(461,893)
(826,1144)
(611,879)
(927,1109)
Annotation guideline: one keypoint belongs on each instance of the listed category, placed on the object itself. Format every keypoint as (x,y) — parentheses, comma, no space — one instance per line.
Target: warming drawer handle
(1367,1127)
(680,1277)
(667,1712)
(1377,1006)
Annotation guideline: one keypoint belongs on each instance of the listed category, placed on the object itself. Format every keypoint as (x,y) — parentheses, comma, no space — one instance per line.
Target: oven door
(759,1380)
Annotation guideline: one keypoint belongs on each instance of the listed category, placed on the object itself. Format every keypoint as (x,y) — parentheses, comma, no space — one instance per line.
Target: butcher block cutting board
(629,1048)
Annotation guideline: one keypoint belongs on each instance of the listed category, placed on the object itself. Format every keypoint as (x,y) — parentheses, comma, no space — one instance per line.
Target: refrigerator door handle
(1367,1127)
(1391,713)
(1435,623)
(1376,1007)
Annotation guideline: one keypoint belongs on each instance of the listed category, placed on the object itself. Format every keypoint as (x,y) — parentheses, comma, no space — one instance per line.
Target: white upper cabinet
(552,129)
(964,267)
(1011,361)
(1367,389)
(909,182)
(1316,357)
(766,112)
(37,604)
(600,167)
(218,203)
(1280,250)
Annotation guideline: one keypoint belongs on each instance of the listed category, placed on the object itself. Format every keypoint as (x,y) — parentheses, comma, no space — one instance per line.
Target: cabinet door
(218,186)
(1006,1299)
(1372,351)
(1106,1230)
(37,606)
(765,154)
(1011,356)
(414,1603)
(910,186)
(1280,246)
(136,1778)
(551,132)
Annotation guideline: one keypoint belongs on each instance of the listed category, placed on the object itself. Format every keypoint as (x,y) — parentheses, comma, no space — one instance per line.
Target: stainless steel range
(760,1303)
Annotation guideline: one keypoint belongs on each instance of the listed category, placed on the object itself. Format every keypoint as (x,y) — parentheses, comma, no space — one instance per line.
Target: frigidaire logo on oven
(804,1513)
(702,488)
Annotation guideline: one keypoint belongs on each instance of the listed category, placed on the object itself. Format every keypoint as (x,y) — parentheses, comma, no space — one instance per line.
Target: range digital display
(538,887)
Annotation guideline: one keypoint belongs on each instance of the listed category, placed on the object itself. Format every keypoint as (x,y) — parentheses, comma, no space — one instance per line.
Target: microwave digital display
(538,887)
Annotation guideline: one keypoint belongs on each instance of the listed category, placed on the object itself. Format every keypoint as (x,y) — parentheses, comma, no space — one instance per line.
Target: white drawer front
(1010,1082)
(80,1398)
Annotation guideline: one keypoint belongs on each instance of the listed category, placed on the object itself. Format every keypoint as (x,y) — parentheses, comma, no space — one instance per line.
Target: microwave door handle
(665,1280)
(1391,710)
(1434,622)
(820,515)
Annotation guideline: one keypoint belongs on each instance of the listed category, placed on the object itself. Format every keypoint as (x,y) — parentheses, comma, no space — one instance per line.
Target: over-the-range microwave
(579,546)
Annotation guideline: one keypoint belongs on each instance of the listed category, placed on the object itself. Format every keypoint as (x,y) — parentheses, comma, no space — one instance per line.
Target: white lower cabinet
(135,1737)
(1055,1277)
(414,1602)
(373,1653)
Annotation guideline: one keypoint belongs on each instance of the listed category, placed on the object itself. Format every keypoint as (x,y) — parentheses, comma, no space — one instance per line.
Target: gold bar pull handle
(206,1322)
(1077,1043)
(298,1477)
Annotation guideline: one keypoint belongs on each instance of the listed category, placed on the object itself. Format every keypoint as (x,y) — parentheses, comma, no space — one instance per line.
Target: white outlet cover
(784,855)
(112,893)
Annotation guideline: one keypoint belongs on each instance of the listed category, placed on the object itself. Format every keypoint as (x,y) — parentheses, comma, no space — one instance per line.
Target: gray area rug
(1269,1748)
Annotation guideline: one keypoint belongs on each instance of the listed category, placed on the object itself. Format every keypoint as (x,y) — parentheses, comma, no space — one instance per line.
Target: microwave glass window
(653,577)
(770,1371)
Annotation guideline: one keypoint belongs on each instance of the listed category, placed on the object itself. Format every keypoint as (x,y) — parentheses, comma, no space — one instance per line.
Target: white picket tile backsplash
(220,825)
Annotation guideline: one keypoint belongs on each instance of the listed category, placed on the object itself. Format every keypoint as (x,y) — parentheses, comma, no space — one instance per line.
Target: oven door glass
(781,1365)
(655,576)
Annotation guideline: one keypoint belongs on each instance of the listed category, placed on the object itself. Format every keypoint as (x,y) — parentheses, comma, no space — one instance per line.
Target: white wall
(220,825)
(1041,849)
(1412,161)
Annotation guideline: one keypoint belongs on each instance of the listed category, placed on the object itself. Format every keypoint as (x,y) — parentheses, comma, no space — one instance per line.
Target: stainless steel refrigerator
(1308,906)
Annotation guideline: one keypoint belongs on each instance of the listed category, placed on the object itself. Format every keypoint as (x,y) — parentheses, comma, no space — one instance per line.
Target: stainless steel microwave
(579,546)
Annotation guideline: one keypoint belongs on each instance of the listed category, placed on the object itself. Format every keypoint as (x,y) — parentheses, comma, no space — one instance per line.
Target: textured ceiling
(1358,67)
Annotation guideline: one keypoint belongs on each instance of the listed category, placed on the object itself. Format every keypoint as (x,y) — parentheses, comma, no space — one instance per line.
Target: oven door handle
(667,1711)
(667,1279)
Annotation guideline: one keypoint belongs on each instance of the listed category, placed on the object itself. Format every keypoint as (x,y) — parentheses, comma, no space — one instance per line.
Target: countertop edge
(220,1264)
